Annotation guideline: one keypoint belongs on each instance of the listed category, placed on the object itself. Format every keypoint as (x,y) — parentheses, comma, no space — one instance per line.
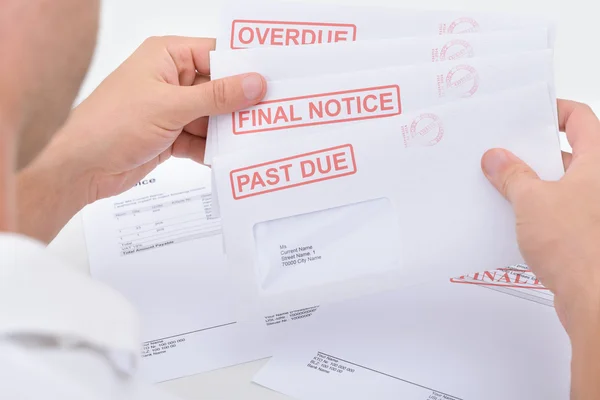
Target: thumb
(508,173)
(221,96)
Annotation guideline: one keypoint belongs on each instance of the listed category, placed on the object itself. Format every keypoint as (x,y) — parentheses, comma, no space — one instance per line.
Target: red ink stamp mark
(456,49)
(426,130)
(463,79)
(463,25)
(513,277)
(318,109)
(256,33)
(289,172)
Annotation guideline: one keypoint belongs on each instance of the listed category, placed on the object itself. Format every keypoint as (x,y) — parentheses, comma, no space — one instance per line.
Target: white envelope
(247,24)
(293,108)
(379,204)
(278,63)
(339,24)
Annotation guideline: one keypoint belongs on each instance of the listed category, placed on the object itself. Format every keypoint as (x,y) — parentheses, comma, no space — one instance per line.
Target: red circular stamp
(456,49)
(463,25)
(463,78)
(426,130)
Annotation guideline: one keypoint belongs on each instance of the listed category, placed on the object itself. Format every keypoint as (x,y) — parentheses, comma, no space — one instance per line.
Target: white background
(126,23)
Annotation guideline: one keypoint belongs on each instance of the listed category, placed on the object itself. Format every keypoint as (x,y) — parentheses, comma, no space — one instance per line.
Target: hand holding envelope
(369,178)
(307,61)
(262,24)
(381,203)
(310,104)
(359,172)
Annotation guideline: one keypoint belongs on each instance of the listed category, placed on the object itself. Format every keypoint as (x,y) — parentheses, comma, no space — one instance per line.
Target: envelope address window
(326,246)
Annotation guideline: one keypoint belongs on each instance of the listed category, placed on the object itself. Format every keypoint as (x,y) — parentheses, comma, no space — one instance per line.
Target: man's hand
(154,106)
(558,228)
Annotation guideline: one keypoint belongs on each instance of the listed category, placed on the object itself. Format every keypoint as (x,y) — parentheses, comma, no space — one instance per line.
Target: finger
(189,146)
(509,174)
(216,97)
(200,79)
(580,124)
(198,127)
(194,51)
(567,158)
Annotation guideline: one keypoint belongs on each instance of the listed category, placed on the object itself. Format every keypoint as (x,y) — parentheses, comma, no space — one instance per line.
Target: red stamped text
(286,173)
(505,277)
(319,109)
(251,33)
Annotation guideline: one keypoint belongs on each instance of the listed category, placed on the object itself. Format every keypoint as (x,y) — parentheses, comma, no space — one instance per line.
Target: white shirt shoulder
(62,334)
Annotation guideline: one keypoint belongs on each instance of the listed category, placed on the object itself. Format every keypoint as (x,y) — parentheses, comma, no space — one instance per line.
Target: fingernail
(494,162)
(252,85)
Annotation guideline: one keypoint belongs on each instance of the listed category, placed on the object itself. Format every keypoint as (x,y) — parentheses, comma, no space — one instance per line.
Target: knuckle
(506,184)
(583,109)
(513,182)
(219,94)
(153,41)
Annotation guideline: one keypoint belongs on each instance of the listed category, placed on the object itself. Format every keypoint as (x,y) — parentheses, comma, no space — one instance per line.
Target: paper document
(160,246)
(439,341)
(296,107)
(380,203)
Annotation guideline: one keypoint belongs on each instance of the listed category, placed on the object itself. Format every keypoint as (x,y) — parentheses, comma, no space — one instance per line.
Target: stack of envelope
(360,170)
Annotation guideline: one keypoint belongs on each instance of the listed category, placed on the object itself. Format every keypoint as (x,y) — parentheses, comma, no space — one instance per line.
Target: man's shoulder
(40,295)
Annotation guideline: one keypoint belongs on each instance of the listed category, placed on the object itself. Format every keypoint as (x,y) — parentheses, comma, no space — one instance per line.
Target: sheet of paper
(295,107)
(440,341)
(160,246)
(354,210)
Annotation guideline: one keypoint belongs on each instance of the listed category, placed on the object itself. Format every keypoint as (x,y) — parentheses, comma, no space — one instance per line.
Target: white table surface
(125,24)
